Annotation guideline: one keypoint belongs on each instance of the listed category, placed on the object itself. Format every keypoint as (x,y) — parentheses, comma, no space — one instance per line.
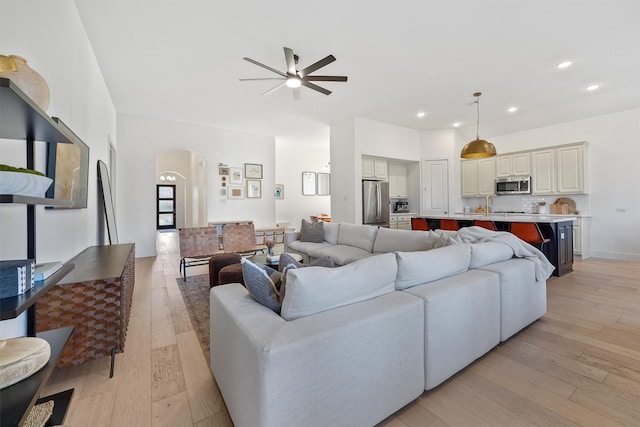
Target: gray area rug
(195,292)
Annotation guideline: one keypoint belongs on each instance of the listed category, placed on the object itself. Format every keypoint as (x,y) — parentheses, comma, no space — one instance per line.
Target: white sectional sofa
(356,343)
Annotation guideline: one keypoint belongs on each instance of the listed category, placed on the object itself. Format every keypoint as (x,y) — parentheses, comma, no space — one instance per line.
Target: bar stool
(449,224)
(419,224)
(530,233)
(488,224)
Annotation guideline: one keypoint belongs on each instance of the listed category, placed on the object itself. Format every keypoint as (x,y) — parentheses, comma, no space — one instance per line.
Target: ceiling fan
(295,78)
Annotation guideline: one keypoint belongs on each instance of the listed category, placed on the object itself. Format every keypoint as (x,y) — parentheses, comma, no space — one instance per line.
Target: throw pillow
(311,231)
(263,284)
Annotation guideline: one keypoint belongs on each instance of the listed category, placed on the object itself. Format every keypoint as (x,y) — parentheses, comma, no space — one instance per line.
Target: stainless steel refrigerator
(375,203)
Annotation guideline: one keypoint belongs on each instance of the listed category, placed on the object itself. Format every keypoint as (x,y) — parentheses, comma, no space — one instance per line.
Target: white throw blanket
(521,249)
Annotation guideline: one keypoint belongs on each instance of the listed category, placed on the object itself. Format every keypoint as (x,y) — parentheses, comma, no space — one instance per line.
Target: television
(68,166)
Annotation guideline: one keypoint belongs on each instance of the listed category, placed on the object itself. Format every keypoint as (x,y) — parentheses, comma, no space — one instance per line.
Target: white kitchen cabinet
(543,172)
(513,164)
(581,228)
(570,169)
(478,177)
(401,222)
(559,170)
(373,168)
(398,181)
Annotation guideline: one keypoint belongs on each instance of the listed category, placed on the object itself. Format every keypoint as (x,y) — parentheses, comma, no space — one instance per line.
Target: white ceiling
(181,60)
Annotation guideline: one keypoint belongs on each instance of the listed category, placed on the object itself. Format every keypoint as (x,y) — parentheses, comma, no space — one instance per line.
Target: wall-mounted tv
(68,166)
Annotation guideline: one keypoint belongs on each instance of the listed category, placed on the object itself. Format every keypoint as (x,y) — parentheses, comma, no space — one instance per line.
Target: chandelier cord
(478,122)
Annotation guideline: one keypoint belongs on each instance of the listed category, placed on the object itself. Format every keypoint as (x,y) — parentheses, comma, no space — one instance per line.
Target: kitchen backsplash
(525,202)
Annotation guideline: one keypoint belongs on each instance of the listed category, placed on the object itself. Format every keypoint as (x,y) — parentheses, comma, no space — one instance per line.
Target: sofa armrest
(291,236)
(273,373)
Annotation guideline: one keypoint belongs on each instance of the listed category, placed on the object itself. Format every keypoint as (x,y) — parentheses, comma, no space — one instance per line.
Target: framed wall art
(236,176)
(252,171)
(254,188)
(279,193)
(235,193)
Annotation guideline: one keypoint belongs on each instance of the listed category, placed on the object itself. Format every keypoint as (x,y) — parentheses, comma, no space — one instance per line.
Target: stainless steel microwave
(513,185)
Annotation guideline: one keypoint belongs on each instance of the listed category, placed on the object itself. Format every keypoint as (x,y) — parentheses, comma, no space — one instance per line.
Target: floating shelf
(18,399)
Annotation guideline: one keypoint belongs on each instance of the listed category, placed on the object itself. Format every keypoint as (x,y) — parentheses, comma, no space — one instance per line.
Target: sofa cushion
(341,254)
(263,284)
(331,230)
(316,289)
(287,262)
(360,236)
(390,240)
(311,231)
(416,268)
(486,253)
(307,247)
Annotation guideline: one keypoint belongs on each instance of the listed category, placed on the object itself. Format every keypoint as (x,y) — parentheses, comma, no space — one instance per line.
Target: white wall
(51,37)
(141,139)
(307,151)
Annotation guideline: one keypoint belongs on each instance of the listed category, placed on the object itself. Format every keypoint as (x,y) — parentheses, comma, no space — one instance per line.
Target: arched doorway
(186,170)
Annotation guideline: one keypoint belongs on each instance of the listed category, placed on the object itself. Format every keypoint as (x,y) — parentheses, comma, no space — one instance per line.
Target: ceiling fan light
(478,149)
(293,82)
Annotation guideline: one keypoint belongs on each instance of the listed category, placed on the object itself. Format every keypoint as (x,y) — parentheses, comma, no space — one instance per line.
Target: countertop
(509,217)
(404,213)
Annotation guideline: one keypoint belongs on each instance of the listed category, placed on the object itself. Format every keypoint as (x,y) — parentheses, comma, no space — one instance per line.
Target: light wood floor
(578,365)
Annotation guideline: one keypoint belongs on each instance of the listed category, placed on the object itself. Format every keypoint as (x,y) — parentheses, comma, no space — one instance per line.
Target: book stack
(45,270)
(16,277)
(273,258)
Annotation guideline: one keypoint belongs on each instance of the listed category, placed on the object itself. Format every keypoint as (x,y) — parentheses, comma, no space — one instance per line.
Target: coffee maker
(402,206)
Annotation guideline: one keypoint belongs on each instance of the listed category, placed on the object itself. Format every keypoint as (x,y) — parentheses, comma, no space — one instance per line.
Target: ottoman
(225,268)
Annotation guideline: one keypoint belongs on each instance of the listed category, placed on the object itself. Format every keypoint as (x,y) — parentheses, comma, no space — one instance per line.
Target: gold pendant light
(479,148)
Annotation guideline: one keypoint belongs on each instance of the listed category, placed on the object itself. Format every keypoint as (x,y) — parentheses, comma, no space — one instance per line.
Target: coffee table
(262,259)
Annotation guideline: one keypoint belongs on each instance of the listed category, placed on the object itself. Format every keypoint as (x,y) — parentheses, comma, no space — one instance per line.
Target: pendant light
(479,148)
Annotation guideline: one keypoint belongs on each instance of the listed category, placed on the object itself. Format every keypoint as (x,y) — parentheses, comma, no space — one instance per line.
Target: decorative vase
(270,250)
(29,81)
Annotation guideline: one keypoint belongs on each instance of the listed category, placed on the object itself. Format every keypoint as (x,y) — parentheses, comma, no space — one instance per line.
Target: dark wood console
(95,298)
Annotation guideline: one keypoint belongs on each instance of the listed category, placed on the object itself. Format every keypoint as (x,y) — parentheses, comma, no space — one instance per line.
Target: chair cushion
(230,274)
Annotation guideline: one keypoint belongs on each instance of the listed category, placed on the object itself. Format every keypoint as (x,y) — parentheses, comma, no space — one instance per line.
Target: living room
(56,41)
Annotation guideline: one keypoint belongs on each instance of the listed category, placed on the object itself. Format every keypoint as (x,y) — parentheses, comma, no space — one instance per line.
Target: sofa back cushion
(486,253)
(360,236)
(390,240)
(331,230)
(416,268)
(315,289)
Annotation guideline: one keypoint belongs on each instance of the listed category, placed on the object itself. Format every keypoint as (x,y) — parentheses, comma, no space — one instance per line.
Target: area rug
(195,292)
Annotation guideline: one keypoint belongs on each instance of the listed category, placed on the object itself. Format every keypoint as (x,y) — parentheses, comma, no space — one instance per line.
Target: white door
(435,187)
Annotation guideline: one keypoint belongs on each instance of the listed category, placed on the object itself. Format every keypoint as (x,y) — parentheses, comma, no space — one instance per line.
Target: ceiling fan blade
(262,78)
(296,94)
(264,66)
(315,66)
(291,62)
(315,87)
(273,89)
(326,78)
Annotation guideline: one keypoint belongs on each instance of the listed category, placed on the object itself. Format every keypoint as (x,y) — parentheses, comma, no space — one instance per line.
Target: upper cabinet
(513,164)
(560,170)
(374,168)
(478,177)
(398,180)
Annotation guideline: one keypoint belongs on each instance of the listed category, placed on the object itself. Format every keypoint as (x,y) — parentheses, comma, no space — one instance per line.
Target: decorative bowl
(24,184)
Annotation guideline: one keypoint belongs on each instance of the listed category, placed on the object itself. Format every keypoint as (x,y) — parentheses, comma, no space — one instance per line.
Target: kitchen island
(557,228)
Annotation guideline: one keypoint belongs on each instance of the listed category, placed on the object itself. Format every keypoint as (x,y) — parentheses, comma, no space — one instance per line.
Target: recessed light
(564,64)
(592,87)
(421,114)
(512,109)
(456,124)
